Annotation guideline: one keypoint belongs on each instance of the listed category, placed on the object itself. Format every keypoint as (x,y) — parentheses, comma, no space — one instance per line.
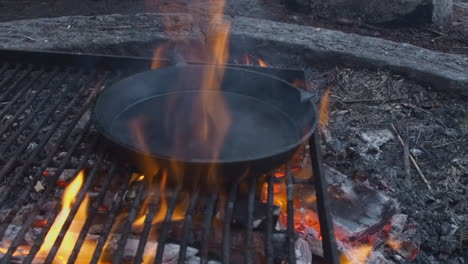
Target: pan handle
(307,96)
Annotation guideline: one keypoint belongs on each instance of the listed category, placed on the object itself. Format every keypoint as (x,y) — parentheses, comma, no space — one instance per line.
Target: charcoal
(260,214)
(238,242)
(357,210)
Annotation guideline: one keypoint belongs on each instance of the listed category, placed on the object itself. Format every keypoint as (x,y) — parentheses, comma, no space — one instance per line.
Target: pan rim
(246,158)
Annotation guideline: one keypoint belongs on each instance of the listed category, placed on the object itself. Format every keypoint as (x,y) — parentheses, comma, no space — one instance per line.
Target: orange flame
(178,213)
(71,236)
(262,63)
(324,110)
(157,56)
(358,255)
(20,251)
(246,59)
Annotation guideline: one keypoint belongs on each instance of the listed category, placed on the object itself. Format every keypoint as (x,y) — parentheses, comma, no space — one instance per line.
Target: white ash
(374,140)
(377,257)
(38,186)
(303,253)
(171,251)
(416,152)
(398,223)
(67,174)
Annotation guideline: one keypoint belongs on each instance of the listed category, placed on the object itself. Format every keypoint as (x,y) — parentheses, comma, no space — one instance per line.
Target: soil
(436,129)
(451,38)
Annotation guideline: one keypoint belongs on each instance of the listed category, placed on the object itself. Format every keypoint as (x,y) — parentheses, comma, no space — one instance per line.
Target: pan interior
(165,122)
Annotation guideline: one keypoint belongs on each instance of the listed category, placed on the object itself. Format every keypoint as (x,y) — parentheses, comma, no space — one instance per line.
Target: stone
(82,32)
(384,11)
(317,46)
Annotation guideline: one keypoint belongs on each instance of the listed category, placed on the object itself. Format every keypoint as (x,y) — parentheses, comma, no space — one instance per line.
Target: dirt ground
(434,126)
(450,38)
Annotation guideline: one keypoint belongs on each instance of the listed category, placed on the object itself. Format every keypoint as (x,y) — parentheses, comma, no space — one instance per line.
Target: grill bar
(81,196)
(250,219)
(23,195)
(290,214)
(16,81)
(51,218)
(323,202)
(188,225)
(147,226)
(27,104)
(28,122)
(21,93)
(269,221)
(50,187)
(227,224)
(44,140)
(206,225)
(37,175)
(111,219)
(93,212)
(165,227)
(127,227)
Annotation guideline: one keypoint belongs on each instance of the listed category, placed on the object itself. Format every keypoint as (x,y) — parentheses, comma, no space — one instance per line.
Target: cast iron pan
(269,120)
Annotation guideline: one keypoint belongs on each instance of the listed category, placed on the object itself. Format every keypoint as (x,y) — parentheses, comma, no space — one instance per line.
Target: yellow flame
(72,234)
(20,251)
(358,255)
(177,215)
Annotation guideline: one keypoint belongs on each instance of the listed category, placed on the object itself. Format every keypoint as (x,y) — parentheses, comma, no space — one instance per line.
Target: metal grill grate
(43,100)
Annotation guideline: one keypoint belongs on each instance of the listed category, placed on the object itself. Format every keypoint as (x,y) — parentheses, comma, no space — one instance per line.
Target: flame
(246,59)
(262,63)
(324,109)
(357,255)
(157,56)
(139,137)
(394,244)
(72,234)
(178,213)
(20,251)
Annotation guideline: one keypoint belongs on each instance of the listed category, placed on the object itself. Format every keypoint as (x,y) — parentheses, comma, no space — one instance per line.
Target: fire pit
(108,212)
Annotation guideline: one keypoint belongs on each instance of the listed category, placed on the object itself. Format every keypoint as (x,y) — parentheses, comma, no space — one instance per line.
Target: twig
(449,143)
(415,164)
(26,37)
(376,100)
(436,32)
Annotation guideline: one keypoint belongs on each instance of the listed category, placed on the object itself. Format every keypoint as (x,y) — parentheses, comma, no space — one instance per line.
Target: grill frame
(114,67)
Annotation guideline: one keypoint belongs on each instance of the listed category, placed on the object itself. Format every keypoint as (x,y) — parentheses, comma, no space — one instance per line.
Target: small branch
(415,164)
(26,37)
(449,143)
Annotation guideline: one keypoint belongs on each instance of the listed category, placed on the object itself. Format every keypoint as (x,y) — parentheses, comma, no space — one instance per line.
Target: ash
(435,127)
